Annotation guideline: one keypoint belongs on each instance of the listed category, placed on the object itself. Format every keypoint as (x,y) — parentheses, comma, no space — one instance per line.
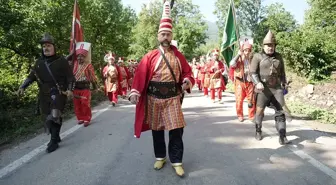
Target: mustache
(165,43)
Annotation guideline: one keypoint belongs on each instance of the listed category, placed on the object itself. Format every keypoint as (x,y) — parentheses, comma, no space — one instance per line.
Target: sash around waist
(163,90)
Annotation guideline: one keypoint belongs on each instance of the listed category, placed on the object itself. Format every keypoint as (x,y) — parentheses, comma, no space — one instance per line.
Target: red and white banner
(77,31)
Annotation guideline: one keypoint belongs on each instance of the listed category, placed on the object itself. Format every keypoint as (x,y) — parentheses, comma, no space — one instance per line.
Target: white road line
(317,164)
(26,158)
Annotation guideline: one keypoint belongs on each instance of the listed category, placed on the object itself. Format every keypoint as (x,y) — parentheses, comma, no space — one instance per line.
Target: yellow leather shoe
(179,170)
(159,164)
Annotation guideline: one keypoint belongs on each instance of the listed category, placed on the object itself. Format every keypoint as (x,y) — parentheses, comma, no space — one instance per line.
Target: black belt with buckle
(270,80)
(82,85)
(162,90)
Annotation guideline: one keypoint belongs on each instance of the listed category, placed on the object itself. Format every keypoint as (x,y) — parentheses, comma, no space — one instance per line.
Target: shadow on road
(221,148)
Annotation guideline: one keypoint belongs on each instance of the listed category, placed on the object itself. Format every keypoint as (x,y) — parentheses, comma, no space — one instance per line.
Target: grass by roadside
(304,110)
(311,112)
(24,124)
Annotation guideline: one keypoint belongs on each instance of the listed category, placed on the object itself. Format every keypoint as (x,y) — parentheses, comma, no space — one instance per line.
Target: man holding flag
(243,85)
(84,75)
(83,70)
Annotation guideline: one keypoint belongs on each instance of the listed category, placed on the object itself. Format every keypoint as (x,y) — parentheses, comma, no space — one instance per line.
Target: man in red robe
(112,78)
(208,73)
(161,77)
(131,69)
(243,85)
(125,76)
(201,73)
(195,69)
(217,79)
(84,75)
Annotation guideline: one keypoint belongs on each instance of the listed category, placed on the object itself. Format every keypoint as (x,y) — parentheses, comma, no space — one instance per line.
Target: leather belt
(82,85)
(162,90)
(242,80)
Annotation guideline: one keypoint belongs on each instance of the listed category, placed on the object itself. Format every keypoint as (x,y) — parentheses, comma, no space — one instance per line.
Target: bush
(309,54)
(20,121)
(313,113)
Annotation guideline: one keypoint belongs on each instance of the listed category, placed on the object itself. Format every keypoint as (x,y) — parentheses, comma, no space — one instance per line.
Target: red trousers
(124,91)
(82,105)
(206,91)
(199,84)
(244,90)
(113,96)
(213,92)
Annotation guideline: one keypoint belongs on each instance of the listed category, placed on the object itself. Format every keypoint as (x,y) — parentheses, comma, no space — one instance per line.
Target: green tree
(310,51)
(204,49)
(107,25)
(277,19)
(189,27)
(247,14)
(145,31)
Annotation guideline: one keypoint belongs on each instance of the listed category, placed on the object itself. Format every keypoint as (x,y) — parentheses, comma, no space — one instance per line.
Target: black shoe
(58,140)
(52,147)
(258,136)
(283,140)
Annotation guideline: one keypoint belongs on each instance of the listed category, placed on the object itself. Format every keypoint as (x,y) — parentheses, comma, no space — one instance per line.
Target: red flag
(77,32)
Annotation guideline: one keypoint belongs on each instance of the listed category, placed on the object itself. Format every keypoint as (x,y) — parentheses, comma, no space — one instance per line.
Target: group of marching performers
(157,85)
(211,74)
(118,77)
(260,78)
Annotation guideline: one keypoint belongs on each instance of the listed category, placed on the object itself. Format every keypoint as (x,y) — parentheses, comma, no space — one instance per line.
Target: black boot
(280,124)
(258,135)
(282,137)
(59,130)
(54,138)
(58,139)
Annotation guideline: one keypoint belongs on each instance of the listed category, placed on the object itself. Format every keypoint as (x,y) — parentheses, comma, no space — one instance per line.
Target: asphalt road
(219,150)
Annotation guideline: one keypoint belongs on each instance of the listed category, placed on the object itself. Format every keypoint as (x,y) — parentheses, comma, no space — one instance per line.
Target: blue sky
(295,7)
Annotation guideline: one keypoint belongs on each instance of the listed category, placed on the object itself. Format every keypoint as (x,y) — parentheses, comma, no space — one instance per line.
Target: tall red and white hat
(215,52)
(121,60)
(247,45)
(109,56)
(84,48)
(166,23)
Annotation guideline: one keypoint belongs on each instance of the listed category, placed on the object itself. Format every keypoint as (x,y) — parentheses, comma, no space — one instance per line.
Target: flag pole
(74,32)
(235,22)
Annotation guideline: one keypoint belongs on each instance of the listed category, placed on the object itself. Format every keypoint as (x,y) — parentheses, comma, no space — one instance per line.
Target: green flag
(230,36)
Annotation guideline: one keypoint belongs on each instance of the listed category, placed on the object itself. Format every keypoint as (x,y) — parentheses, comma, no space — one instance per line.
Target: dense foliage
(189,28)
(107,25)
